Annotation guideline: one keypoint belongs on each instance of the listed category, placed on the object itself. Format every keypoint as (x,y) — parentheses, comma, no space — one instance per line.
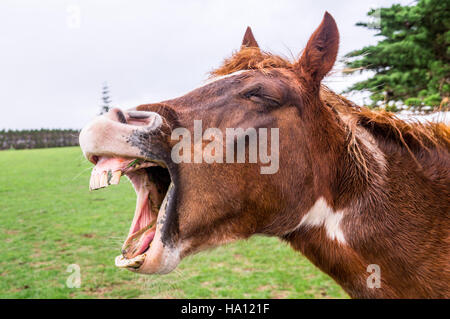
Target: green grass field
(50,220)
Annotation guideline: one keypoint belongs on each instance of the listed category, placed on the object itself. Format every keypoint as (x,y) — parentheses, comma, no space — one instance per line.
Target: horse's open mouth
(151,181)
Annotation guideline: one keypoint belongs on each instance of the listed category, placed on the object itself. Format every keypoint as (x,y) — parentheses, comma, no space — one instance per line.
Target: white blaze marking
(217,78)
(323,215)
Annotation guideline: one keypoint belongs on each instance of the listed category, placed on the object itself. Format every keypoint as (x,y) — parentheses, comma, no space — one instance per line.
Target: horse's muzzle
(114,134)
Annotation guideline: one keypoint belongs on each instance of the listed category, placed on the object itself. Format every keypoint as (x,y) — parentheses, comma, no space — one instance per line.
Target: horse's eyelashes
(257,95)
(256,91)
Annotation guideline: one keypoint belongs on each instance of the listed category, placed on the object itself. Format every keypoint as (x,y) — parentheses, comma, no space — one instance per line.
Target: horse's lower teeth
(135,262)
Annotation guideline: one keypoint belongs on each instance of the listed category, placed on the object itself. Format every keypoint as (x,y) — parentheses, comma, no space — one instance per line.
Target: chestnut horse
(363,195)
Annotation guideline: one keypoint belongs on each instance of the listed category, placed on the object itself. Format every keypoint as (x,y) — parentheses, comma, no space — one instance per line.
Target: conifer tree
(411,62)
(106,99)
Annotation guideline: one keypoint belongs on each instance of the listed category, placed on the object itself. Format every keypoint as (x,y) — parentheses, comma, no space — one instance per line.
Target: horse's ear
(249,40)
(320,53)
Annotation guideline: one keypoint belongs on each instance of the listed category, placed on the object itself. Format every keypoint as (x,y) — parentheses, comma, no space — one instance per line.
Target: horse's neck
(366,213)
(349,183)
(345,167)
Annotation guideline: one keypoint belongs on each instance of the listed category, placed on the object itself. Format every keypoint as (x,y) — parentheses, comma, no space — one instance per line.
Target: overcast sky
(56,55)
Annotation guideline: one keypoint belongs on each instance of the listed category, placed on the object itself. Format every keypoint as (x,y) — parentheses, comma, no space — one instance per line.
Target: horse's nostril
(116,114)
(121,117)
(140,114)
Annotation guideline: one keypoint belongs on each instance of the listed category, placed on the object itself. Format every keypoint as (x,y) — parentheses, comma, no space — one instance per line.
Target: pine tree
(106,99)
(412,60)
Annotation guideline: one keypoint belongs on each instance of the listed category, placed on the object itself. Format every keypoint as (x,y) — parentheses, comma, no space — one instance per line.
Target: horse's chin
(157,259)
(144,250)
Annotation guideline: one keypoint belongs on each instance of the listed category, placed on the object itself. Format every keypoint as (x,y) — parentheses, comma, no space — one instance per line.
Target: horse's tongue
(107,171)
(142,228)
(138,242)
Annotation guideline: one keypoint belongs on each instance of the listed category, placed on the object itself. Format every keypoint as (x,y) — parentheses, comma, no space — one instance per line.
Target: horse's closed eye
(253,92)
(257,95)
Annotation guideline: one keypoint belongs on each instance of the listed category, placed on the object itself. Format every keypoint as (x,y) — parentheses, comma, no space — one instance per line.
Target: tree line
(42,138)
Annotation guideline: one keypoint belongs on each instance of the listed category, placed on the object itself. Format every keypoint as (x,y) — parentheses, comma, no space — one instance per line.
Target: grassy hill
(50,220)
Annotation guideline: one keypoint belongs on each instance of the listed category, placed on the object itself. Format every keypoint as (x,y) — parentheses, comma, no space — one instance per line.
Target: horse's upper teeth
(115,177)
(104,179)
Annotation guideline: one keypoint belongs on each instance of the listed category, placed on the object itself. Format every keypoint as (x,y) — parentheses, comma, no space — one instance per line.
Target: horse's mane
(251,58)
(412,135)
